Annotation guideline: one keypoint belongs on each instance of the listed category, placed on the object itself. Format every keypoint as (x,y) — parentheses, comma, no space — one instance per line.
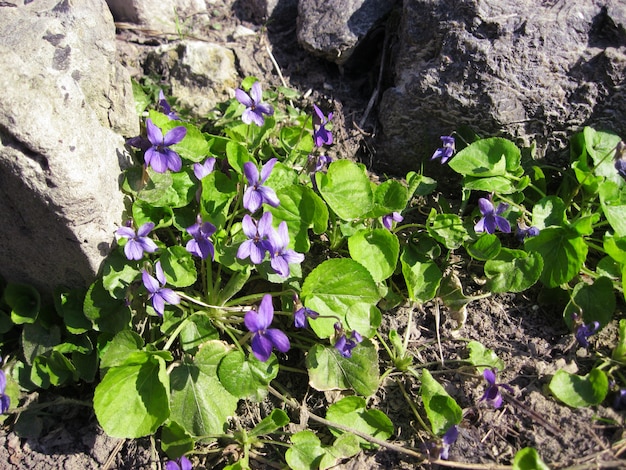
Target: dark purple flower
(447,440)
(203,169)
(255,109)
(344,344)
(137,242)
(257,233)
(182,463)
(256,194)
(620,159)
(281,256)
(321,135)
(201,244)
(445,152)
(619,403)
(493,395)
(160,156)
(166,108)
(523,231)
(584,331)
(157,290)
(263,337)
(5,401)
(491,217)
(389,219)
(302,315)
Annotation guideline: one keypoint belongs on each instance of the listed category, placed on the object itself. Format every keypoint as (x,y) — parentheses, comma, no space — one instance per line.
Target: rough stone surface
(162,15)
(200,73)
(331,29)
(60,160)
(537,70)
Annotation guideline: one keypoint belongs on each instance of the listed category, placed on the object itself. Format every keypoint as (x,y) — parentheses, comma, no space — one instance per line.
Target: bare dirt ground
(530,337)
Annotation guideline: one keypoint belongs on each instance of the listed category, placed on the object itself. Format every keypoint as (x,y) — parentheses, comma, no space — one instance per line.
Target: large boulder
(63,99)
(166,16)
(523,69)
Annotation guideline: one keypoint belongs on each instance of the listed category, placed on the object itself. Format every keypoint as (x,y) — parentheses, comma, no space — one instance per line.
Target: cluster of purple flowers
(321,136)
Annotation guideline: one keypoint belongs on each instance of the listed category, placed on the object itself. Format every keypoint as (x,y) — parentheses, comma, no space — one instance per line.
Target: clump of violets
(137,243)
(256,194)
(446,152)
(321,135)
(491,218)
(264,338)
(201,245)
(493,395)
(183,463)
(345,345)
(157,292)
(258,234)
(5,401)
(280,255)
(389,219)
(524,231)
(302,314)
(255,108)
(165,107)
(160,156)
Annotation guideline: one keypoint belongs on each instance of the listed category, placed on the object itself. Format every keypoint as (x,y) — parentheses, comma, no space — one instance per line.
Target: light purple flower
(5,401)
(256,194)
(321,135)
(445,152)
(166,108)
(491,217)
(389,219)
(281,256)
(255,109)
(182,463)
(447,440)
(258,233)
(203,169)
(344,344)
(160,157)
(157,291)
(201,245)
(137,242)
(620,159)
(584,331)
(493,395)
(302,315)
(523,231)
(264,339)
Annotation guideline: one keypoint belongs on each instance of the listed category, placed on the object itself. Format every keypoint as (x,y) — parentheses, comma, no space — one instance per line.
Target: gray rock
(60,159)
(200,73)
(331,29)
(527,70)
(168,16)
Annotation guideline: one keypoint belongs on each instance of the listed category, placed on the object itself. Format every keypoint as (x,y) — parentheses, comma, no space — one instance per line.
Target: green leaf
(237,155)
(577,391)
(169,189)
(144,212)
(277,419)
(346,188)
(118,273)
(120,348)
(419,185)
(105,313)
(619,353)
(377,250)
(178,266)
(329,370)
(483,358)
(247,377)
(218,191)
(498,184)
(69,306)
(346,445)
(600,146)
(615,247)
(175,441)
(563,251)
(422,276)
(334,287)
(353,413)
(513,270)
(442,410)
(198,330)
(306,451)
(596,301)
(488,157)
(139,97)
(132,400)
(24,301)
(549,211)
(613,203)
(37,340)
(447,229)
(200,403)
(296,142)
(486,247)
(389,196)
(528,459)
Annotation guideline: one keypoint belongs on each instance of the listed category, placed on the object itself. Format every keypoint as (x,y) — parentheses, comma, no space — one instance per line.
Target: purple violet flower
(160,156)
(203,169)
(255,109)
(201,245)
(157,290)
(5,401)
(523,231)
(137,242)
(258,242)
(183,463)
(584,331)
(256,194)
(345,345)
(302,315)
(166,108)
(620,159)
(619,403)
(264,339)
(493,395)
(389,219)
(445,152)
(447,440)
(281,256)
(491,217)
(321,135)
